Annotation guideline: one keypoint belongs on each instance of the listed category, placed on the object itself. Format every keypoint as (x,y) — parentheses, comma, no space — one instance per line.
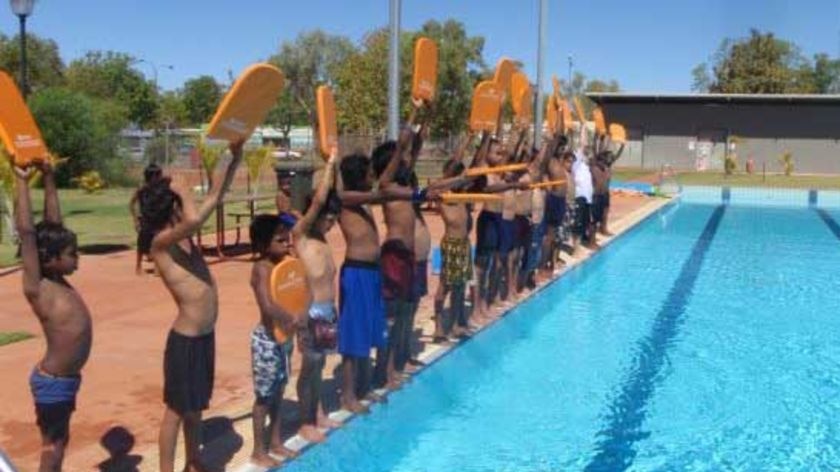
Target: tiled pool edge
(433,353)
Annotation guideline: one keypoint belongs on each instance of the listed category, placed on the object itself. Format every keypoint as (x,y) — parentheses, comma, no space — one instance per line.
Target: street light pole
(24,79)
(394,71)
(571,61)
(23,8)
(538,116)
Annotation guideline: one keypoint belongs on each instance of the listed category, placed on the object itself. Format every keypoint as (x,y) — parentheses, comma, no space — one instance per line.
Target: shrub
(90,182)
(787,163)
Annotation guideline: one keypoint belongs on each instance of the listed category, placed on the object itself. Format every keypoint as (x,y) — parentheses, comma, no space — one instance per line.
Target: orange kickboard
(290,291)
(327,128)
(551,113)
(600,122)
(579,110)
(247,103)
(18,130)
(451,197)
(505,69)
(523,100)
(486,104)
(424,80)
(618,133)
(495,170)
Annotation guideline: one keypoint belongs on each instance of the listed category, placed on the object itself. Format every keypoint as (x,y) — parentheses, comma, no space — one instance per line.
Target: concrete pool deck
(120,401)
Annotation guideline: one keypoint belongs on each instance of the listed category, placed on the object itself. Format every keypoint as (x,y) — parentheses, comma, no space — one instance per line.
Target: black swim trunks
(584,218)
(600,203)
(188,370)
(55,401)
(488,233)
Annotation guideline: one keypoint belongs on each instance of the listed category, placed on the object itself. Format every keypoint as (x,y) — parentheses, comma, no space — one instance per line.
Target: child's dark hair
(382,155)
(158,204)
(52,238)
(152,172)
(354,172)
(262,231)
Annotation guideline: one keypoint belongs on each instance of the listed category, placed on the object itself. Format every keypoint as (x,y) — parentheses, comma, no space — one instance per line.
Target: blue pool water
(706,339)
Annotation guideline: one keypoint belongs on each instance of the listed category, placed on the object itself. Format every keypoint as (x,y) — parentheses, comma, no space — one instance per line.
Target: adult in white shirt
(583,202)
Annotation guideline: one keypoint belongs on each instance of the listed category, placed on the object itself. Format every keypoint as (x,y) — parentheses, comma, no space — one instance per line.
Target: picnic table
(252,201)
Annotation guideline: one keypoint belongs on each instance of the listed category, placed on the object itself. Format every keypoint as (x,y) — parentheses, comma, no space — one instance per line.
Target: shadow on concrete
(98,249)
(119,442)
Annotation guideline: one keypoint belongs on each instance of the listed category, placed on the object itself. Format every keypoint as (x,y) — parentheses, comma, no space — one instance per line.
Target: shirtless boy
(397,255)
(317,333)
(189,360)
(49,254)
(456,267)
(271,241)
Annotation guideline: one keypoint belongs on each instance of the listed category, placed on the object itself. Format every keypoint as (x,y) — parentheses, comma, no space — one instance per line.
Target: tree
(312,59)
(362,85)
(826,74)
(109,75)
(201,97)
(701,82)
(83,129)
(172,112)
(362,81)
(580,86)
(761,63)
(46,69)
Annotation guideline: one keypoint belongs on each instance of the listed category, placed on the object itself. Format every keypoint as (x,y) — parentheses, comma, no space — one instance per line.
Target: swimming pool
(705,339)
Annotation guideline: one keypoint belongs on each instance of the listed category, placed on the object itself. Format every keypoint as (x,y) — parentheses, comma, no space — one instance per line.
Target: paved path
(122,388)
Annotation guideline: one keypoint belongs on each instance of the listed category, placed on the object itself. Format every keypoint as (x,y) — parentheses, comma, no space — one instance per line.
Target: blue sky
(647,45)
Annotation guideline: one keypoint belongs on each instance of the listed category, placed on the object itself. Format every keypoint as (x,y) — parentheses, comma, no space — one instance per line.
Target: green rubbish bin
(300,172)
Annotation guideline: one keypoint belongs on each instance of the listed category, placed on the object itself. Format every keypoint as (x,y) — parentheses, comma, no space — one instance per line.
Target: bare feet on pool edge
(327,423)
(376,398)
(264,460)
(394,384)
(282,451)
(353,406)
(311,434)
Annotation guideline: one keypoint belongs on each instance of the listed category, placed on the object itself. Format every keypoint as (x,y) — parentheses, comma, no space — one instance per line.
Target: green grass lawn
(826,182)
(102,220)
(13,337)
(719,179)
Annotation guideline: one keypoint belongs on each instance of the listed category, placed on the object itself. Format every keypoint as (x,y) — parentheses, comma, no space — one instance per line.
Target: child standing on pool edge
(49,254)
(317,332)
(271,240)
(190,355)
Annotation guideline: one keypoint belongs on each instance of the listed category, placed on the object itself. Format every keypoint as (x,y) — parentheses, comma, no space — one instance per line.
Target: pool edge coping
(436,352)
